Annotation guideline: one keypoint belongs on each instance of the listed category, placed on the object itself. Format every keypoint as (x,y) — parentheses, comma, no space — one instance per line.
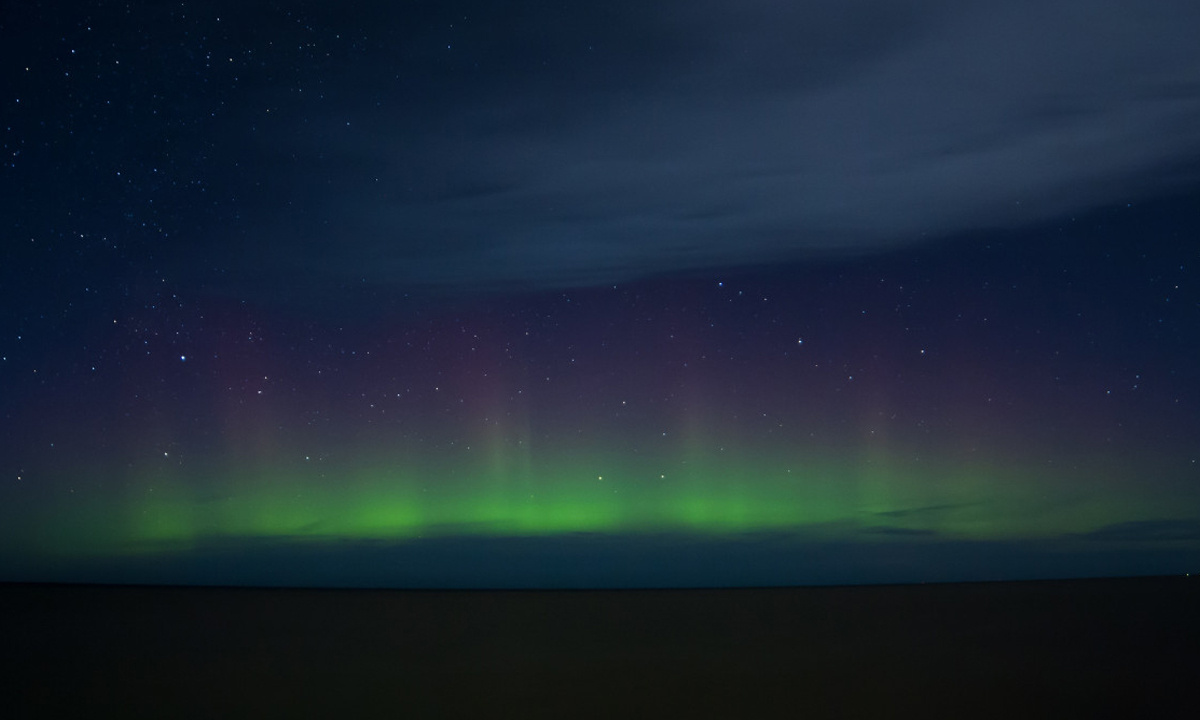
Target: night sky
(547,294)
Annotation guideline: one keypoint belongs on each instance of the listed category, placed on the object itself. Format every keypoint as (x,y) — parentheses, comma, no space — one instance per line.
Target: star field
(360,280)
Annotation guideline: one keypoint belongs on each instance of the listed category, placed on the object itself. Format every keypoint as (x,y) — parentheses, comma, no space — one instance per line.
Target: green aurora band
(871,499)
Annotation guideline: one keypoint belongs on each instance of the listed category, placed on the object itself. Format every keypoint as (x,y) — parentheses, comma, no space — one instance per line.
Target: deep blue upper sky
(541,144)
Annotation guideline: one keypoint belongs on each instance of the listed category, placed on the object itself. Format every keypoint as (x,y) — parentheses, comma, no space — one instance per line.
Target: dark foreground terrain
(1080,648)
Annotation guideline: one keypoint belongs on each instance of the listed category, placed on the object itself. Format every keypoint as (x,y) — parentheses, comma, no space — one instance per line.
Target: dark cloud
(595,561)
(419,144)
(575,150)
(898,531)
(919,511)
(1147,531)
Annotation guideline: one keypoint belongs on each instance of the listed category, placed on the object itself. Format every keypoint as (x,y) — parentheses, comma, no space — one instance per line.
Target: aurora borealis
(249,303)
(843,403)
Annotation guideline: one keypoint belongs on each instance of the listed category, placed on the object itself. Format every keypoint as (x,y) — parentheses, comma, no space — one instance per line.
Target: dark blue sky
(824,291)
(541,144)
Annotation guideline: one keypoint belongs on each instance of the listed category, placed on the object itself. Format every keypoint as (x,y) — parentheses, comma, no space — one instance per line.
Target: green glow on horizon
(706,493)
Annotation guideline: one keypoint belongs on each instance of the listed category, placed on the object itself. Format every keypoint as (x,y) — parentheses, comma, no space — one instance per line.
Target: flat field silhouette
(1070,648)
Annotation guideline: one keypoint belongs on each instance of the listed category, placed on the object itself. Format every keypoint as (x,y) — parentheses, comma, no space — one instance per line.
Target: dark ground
(1079,648)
